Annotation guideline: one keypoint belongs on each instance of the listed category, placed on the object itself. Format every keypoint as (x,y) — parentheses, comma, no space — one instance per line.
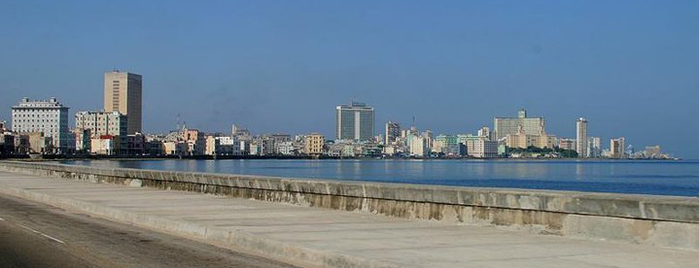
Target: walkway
(373,240)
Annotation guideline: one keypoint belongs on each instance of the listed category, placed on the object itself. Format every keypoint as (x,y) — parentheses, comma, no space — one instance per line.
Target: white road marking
(53,238)
(30,229)
(43,234)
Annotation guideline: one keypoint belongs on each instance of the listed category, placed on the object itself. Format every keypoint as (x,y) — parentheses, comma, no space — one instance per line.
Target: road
(37,235)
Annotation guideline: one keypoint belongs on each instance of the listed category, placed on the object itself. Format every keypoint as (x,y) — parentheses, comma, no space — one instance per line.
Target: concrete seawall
(656,220)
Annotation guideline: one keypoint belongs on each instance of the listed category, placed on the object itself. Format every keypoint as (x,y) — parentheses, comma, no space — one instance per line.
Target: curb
(233,240)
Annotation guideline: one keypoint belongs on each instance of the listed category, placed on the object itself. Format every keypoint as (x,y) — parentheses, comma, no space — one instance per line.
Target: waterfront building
(523,140)
(429,137)
(104,145)
(464,138)
(3,126)
(595,147)
(653,151)
(135,144)
(419,146)
(442,143)
(82,140)
(315,143)
(222,145)
(268,146)
(270,143)
(99,124)
(245,144)
(581,145)
(123,94)
(7,142)
(48,117)
(616,148)
(485,132)
(480,147)
(510,125)
(566,143)
(195,140)
(393,132)
(390,150)
(354,122)
(455,150)
(154,144)
(174,148)
(38,143)
(286,148)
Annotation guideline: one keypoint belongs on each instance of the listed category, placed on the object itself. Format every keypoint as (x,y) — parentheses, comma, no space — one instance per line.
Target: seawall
(662,221)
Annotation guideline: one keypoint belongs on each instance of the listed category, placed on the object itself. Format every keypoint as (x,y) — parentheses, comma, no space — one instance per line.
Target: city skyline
(636,83)
(517,132)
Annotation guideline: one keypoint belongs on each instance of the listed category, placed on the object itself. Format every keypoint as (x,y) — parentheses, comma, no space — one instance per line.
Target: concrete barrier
(662,221)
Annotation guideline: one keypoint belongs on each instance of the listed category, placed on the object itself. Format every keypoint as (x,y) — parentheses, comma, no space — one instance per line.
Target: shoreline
(254,157)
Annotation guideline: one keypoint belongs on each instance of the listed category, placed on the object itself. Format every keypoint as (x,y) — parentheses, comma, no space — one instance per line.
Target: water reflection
(579,171)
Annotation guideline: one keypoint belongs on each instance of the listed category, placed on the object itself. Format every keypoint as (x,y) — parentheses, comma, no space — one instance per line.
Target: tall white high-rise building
(616,148)
(49,117)
(581,139)
(354,122)
(594,147)
(123,94)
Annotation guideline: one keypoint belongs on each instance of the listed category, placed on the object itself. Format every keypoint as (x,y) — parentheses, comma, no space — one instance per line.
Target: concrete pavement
(313,236)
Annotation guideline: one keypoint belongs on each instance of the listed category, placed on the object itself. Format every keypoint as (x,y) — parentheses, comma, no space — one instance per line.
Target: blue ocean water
(679,178)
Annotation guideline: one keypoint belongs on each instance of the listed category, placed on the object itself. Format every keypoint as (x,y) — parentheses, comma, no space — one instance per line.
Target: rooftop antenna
(177,127)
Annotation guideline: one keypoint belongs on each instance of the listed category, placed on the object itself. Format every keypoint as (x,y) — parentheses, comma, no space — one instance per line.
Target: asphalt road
(37,235)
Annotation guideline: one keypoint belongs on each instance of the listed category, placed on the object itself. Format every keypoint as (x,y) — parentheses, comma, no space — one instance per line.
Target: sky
(629,67)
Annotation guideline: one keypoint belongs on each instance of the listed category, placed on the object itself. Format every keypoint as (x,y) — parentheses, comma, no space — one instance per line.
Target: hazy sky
(630,67)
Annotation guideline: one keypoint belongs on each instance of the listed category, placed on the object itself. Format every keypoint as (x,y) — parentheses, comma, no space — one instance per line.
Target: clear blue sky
(630,67)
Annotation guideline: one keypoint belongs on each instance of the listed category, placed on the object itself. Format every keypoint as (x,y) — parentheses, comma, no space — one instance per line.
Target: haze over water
(680,178)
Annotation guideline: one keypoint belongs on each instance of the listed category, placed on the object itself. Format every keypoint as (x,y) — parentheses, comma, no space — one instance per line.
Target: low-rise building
(195,140)
(653,151)
(136,144)
(97,125)
(315,144)
(7,143)
(175,148)
(286,148)
(443,142)
(482,148)
(222,146)
(104,145)
(566,144)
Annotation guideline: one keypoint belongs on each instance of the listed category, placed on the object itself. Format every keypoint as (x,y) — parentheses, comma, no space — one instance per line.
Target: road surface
(37,235)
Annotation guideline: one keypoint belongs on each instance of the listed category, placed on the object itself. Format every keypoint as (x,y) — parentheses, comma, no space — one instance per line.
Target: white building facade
(581,140)
(49,117)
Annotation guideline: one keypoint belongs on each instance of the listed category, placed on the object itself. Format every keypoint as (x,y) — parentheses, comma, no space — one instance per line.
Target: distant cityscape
(41,127)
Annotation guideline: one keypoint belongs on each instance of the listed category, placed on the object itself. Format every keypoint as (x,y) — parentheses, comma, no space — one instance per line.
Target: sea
(662,177)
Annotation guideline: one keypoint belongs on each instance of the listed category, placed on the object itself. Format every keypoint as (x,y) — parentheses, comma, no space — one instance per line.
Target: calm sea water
(639,177)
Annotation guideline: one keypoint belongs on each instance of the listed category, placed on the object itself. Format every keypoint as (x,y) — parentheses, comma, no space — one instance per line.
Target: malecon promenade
(316,223)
